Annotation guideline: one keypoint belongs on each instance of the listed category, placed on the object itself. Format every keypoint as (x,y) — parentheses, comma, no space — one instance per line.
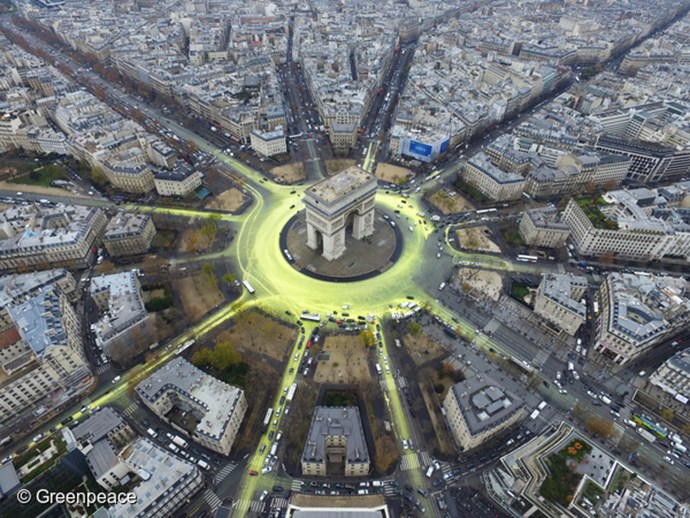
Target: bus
(659,431)
(315,317)
(527,258)
(595,304)
(248,286)
(486,211)
(267,420)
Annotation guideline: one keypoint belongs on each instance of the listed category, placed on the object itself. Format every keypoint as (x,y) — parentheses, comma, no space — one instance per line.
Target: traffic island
(363,259)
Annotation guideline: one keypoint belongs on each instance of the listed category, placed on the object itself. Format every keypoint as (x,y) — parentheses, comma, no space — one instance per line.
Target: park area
(477,239)
(449,201)
(199,294)
(255,332)
(560,487)
(392,173)
(335,165)
(230,200)
(289,173)
(346,363)
(421,347)
(485,282)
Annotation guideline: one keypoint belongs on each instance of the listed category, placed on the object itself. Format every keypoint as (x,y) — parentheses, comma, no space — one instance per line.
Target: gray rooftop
(97,426)
(483,163)
(559,288)
(8,479)
(216,399)
(335,421)
(161,472)
(336,187)
(484,404)
(125,306)
(39,320)
(643,307)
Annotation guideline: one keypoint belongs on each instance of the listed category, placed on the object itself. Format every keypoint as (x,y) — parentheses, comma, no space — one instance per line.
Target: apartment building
(673,377)
(575,173)
(637,313)
(559,301)
(218,408)
(182,181)
(641,240)
(17,288)
(269,143)
(477,409)
(543,227)
(165,485)
(39,238)
(651,162)
(336,436)
(125,329)
(128,234)
(100,438)
(41,353)
(491,181)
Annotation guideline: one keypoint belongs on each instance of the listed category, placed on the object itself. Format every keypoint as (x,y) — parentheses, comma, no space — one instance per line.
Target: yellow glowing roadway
(279,287)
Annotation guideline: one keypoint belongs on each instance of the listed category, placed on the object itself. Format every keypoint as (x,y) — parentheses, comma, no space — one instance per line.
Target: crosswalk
(103,368)
(296,487)
(388,490)
(409,461)
(223,473)
(242,505)
(424,458)
(130,409)
(279,502)
(256,506)
(212,499)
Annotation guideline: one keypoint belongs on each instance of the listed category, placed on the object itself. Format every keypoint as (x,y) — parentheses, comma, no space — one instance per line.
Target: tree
(607,257)
(229,278)
(210,271)
(224,356)
(666,414)
(367,337)
(203,357)
(600,426)
(98,176)
(415,328)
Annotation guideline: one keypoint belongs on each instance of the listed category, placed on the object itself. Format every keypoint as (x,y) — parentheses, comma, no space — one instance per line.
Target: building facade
(269,143)
(543,227)
(129,234)
(491,181)
(673,377)
(336,436)
(558,301)
(477,409)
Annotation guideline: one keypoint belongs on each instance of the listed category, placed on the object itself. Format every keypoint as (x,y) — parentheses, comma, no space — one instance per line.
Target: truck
(679,447)
(179,441)
(430,472)
(203,464)
(541,406)
(648,436)
(378,369)
(534,415)
(267,420)
(571,367)
(605,400)
(291,393)
(274,448)
(152,433)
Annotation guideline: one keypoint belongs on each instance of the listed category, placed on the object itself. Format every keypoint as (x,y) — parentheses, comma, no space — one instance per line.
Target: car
(263,496)
(669,459)
(38,437)
(253,473)
(116,379)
